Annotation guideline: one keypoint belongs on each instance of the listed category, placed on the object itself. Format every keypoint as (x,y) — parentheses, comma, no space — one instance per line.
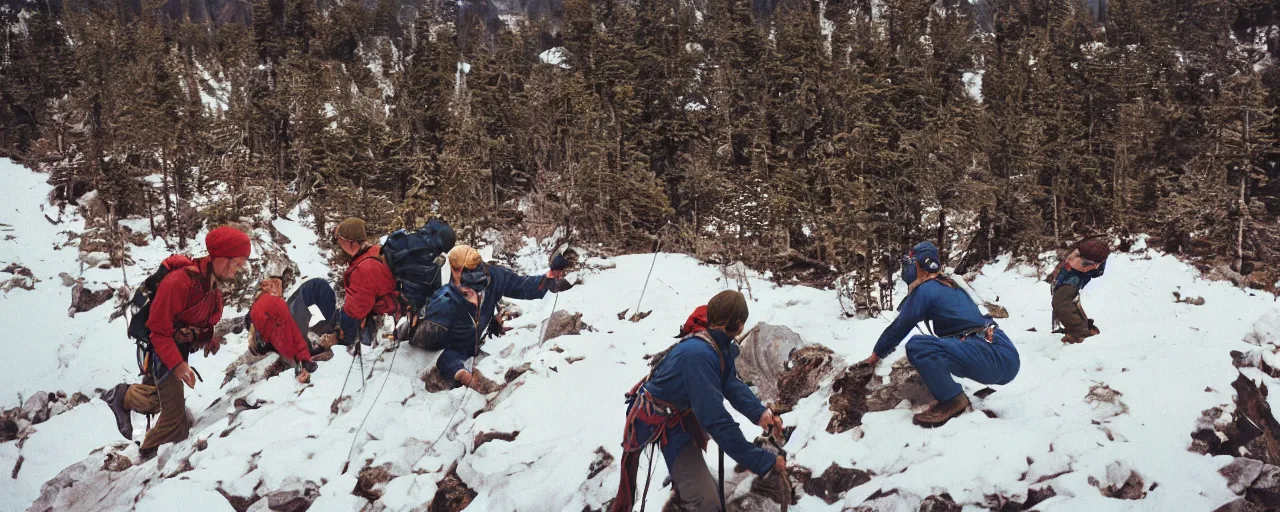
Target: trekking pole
(722,505)
(360,356)
(645,497)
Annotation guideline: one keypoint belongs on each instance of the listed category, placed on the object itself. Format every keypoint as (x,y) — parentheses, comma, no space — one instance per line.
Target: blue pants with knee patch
(315,292)
(971,357)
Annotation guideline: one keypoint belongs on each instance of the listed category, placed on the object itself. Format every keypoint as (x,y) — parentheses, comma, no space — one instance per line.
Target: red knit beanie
(227,242)
(697,322)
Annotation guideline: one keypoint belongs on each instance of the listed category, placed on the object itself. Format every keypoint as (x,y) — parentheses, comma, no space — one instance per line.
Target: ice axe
(774,437)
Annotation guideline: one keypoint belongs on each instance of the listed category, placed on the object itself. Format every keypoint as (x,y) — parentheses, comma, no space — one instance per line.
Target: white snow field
(1166,361)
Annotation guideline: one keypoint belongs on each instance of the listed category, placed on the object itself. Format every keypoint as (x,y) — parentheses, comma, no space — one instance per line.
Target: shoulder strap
(702,335)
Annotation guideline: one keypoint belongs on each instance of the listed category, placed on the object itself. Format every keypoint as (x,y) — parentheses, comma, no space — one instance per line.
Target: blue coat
(463,325)
(690,377)
(951,311)
(1070,276)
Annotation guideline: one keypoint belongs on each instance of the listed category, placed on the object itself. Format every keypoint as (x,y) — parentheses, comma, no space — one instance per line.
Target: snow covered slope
(1077,418)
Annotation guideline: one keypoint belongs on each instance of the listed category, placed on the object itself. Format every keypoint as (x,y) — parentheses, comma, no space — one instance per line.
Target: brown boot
(1072,339)
(942,412)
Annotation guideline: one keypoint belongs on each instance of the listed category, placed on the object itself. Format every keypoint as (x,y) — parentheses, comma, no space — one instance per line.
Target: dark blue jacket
(463,324)
(690,377)
(951,311)
(1069,276)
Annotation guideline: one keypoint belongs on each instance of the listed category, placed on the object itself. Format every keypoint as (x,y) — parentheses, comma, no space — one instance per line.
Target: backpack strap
(662,356)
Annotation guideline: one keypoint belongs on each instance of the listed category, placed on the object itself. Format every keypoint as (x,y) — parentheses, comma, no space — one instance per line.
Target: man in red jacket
(273,328)
(186,306)
(370,287)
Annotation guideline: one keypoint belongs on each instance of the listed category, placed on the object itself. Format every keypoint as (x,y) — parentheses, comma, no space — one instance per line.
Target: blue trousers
(315,292)
(938,359)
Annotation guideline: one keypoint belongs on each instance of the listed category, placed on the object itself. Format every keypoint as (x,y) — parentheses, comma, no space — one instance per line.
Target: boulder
(293,495)
(562,323)
(36,408)
(940,503)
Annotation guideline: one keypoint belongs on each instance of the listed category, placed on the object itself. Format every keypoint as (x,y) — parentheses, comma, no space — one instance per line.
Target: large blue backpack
(414,258)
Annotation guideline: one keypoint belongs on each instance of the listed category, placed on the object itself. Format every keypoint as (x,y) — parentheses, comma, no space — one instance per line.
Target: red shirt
(187,297)
(369,285)
(273,322)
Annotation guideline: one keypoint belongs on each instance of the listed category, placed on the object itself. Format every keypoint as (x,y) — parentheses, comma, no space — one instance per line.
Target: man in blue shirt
(682,401)
(1086,262)
(459,313)
(968,344)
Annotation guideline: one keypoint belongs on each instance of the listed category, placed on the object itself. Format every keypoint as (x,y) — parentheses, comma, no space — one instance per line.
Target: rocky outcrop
(452,495)
(16,423)
(563,323)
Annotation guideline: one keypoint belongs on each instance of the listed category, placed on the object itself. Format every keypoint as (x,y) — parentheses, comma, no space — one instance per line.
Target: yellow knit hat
(464,257)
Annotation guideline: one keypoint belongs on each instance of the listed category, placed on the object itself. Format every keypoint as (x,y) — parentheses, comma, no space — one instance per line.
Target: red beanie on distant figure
(227,242)
(697,322)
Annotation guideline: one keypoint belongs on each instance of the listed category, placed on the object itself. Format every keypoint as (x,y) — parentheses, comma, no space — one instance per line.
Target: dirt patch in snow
(452,495)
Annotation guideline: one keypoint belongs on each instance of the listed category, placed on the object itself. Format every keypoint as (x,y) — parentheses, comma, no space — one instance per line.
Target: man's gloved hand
(559,262)
(496,327)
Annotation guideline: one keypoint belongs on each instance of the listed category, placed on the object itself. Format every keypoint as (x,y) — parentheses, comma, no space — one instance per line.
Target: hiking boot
(1072,339)
(146,454)
(941,412)
(114,398)
(324,355)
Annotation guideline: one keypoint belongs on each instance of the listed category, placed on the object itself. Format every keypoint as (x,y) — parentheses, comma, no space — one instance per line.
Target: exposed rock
(514,373)
(806,369)
(453,494)
(23,282)
(1253,431)
(848,400)
(1121,483)
(116,462)
(834,482)
(8,430)
(371,481)
(562,323)
(940,503)
(339,404)
(294,495)
(765,352)
(1037,496)
(36,408)
(485,437)
(996,310)
(1208,437)
(1106,401)
(602,462)
(1241,473)
(1194,301)
(18,270)
(1239,505)
(904,384)
(83,299)
(86,487)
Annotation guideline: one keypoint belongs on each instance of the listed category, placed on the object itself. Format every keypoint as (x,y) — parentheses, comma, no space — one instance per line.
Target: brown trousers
(697,489)
(169,401)
(1067,311)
